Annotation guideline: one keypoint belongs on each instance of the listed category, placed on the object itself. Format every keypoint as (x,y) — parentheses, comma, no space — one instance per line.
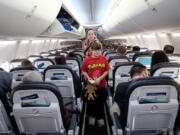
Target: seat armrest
(117,124)
(72,125)
(109,98)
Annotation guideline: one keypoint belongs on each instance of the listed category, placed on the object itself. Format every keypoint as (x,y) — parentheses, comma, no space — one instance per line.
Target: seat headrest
(163,64)
(117,57)
(111,52)
(160,80)
(16,60)
(126,64)
(141,54)
(71,58)
(24,68)
(58,67)
(45,59)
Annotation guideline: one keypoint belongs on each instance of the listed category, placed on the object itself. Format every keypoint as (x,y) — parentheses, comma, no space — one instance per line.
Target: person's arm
(86,75)
(99,79)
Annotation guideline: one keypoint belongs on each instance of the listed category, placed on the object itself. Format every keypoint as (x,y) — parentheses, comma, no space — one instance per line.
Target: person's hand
(97,81)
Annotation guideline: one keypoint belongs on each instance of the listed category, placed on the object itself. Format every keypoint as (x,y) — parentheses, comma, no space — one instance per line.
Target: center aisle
(85,129)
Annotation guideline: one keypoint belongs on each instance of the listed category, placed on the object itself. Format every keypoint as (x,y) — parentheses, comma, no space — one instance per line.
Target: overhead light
(149,36)
(162,35)
(176,34)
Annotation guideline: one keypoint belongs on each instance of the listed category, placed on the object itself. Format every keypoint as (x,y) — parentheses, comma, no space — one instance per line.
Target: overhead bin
(146,16)
(64,26)
(27,18)
(56,30)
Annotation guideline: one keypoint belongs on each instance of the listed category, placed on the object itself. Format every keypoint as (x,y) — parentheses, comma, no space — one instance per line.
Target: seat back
(74,64)
(167,69)
(110,54)
(15,63)
(18,73)
(5,123)
(152,104)
(43,63)
(62,77)
(121,73)
(114,61)
(32,58)
(52,57)
(44,54)
(38,108)
(130,55)
(174,58)
(78,52)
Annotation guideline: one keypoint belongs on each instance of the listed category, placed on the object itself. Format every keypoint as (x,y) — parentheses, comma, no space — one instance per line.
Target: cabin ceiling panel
(88,12)
(143,16)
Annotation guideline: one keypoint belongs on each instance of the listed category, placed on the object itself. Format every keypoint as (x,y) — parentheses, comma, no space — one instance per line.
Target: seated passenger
(60,60)
(121,51)
(71,54)
(158,57)
(136,48)
(137,71)
(32,76)
(168,49)
(26,63)
(35,76)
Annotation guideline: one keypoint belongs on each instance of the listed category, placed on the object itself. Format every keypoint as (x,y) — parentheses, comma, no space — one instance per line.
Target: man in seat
(137,71)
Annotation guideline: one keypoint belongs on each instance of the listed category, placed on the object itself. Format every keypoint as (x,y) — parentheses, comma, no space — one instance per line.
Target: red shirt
(95,67)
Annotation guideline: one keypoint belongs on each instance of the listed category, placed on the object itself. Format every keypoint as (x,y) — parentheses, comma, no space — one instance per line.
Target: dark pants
(95,108)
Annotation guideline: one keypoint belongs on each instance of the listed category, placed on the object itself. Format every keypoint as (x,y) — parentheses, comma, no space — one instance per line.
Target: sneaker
(91,121)
(100,122)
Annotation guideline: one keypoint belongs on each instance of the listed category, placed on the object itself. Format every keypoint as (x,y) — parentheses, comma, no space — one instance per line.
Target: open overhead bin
(64,26)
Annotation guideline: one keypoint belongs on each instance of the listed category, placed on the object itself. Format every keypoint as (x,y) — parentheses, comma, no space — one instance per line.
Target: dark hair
(136,48)
(57,53)
(137,70)
(169,49)
(71,54)
(89,30)
(95,45)
(26,63)
(158,57)
(121,50)
(60,60)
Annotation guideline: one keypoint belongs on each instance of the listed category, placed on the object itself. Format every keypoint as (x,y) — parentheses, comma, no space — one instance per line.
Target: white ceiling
(88,12)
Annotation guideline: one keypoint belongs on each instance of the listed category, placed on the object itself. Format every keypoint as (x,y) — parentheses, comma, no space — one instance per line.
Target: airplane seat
(7,123)
(167,69)
(62,76)
(64,53)
(44,54)
(121,73)
(15,63)
(43,63)
(109,54)
(32,58)
(74,64)
(143,49)
(79,56)
(143,58)
(78,52)
(18,73)
(174,58)
(114,61)
(38,108)
(130,54)
(52,57)
(152,105)
(104,52)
